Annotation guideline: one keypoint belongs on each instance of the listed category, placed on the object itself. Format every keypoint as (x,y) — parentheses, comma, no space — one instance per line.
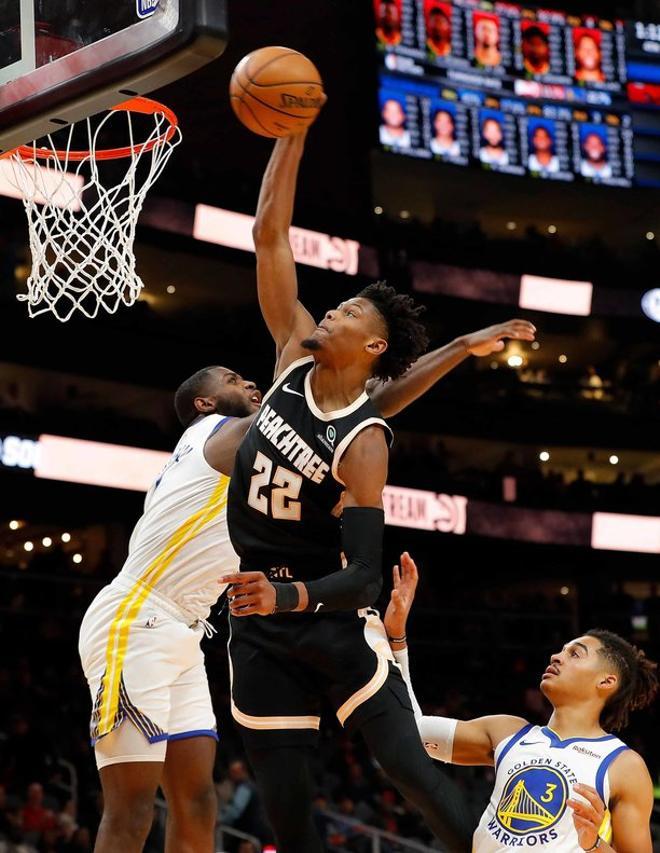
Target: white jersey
(180,546)
(535,774)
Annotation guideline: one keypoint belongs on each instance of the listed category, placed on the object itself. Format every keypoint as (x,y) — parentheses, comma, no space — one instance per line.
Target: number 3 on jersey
(284,505)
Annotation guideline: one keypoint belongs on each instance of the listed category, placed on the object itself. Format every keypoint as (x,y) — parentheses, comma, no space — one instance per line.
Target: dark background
(489,611)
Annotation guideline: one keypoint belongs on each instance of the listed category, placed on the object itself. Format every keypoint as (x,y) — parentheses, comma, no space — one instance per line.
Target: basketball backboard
(62,60)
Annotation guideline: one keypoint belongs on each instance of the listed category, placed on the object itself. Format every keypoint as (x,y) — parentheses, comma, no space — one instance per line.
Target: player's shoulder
(629,761)
(362,466)
(503,727)
(370,443)
(629,775)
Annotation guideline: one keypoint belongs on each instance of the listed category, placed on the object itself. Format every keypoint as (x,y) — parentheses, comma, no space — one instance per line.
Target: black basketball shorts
(283,666)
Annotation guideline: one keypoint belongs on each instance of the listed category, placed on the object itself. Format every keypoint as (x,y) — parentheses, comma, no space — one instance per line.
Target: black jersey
(285,484)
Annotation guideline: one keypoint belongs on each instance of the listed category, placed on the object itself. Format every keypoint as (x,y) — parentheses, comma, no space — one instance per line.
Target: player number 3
(549,793)
(284,505)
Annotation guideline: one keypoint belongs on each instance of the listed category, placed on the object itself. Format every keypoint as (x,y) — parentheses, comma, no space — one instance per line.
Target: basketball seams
(286,83)
(255,117)
(287,52)
(270,106)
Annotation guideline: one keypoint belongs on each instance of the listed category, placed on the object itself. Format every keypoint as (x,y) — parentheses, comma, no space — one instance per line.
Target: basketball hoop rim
(145,106)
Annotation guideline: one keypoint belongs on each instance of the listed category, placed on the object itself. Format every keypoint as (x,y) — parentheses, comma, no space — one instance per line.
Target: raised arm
(287,319)
(453,741)
(363,470)
(392,397)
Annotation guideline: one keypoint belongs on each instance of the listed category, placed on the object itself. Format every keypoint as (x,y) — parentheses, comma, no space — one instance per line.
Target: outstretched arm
(453,741)
(363,470)
(392,397)
(287,319)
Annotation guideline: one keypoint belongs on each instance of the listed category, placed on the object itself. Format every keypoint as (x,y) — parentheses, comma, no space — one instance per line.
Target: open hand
(587,817)
(249,594)
(402,597)
(490,340)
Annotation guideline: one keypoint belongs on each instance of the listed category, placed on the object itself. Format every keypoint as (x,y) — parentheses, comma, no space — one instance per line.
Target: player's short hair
(446,112)
(638,678)
(407,337)
(535,32)
(184,397)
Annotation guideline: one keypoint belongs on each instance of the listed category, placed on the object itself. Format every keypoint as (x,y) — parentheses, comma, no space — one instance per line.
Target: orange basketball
(276,91)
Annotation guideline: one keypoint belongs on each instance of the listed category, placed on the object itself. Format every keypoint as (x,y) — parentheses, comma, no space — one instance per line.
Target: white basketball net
(82,221)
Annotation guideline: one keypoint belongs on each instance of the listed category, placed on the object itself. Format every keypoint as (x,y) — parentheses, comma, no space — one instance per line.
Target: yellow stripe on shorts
(135,598)
(605,831)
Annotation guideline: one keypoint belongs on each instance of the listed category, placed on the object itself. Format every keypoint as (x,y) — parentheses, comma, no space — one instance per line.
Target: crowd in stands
(421,461)
(528,250)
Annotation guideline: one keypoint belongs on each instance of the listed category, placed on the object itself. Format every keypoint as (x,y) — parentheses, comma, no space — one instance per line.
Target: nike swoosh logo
(318,606)
(531,742)
(288,390)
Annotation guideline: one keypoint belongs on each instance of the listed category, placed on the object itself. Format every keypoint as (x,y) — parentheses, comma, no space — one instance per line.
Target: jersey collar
(557,743)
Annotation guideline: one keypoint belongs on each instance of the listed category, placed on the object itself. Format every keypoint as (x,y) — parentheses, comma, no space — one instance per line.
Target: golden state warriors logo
(534,799)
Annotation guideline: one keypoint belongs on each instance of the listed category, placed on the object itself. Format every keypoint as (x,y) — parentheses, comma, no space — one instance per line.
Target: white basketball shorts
(145,670)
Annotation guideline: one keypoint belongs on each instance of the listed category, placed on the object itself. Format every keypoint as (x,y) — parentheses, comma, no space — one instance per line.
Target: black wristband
(595,847)
(403,639)
(287,597)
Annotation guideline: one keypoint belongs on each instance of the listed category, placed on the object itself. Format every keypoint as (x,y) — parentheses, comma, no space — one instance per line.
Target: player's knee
(202,805)
(130,819)
(410,768)
(196,806)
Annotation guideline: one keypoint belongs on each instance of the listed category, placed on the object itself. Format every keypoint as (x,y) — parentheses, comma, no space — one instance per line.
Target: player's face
(542,139)
(439,28)
(348,331)
(537,51)
(389,17)
(577,672)
(588,54)
(493,133)
(393,114)
(444,125)
(487,33)
(594,148)
(232,395)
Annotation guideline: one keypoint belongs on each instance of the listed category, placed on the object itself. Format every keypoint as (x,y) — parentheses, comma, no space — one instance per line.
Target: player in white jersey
(566,787)
(140,638)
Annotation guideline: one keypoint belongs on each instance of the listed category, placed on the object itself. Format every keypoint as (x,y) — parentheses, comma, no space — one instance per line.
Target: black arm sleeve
(360,583)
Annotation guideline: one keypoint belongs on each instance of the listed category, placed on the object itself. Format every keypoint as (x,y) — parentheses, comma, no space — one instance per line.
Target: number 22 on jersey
(285,489)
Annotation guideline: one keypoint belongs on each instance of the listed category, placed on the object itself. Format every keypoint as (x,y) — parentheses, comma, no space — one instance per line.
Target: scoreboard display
(521,91)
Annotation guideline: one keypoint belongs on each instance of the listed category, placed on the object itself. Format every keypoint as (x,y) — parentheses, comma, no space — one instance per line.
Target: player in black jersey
(317,451)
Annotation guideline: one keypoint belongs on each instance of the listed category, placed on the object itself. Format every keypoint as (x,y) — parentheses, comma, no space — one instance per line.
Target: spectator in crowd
(244,811)
(593,385)
(35,816)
